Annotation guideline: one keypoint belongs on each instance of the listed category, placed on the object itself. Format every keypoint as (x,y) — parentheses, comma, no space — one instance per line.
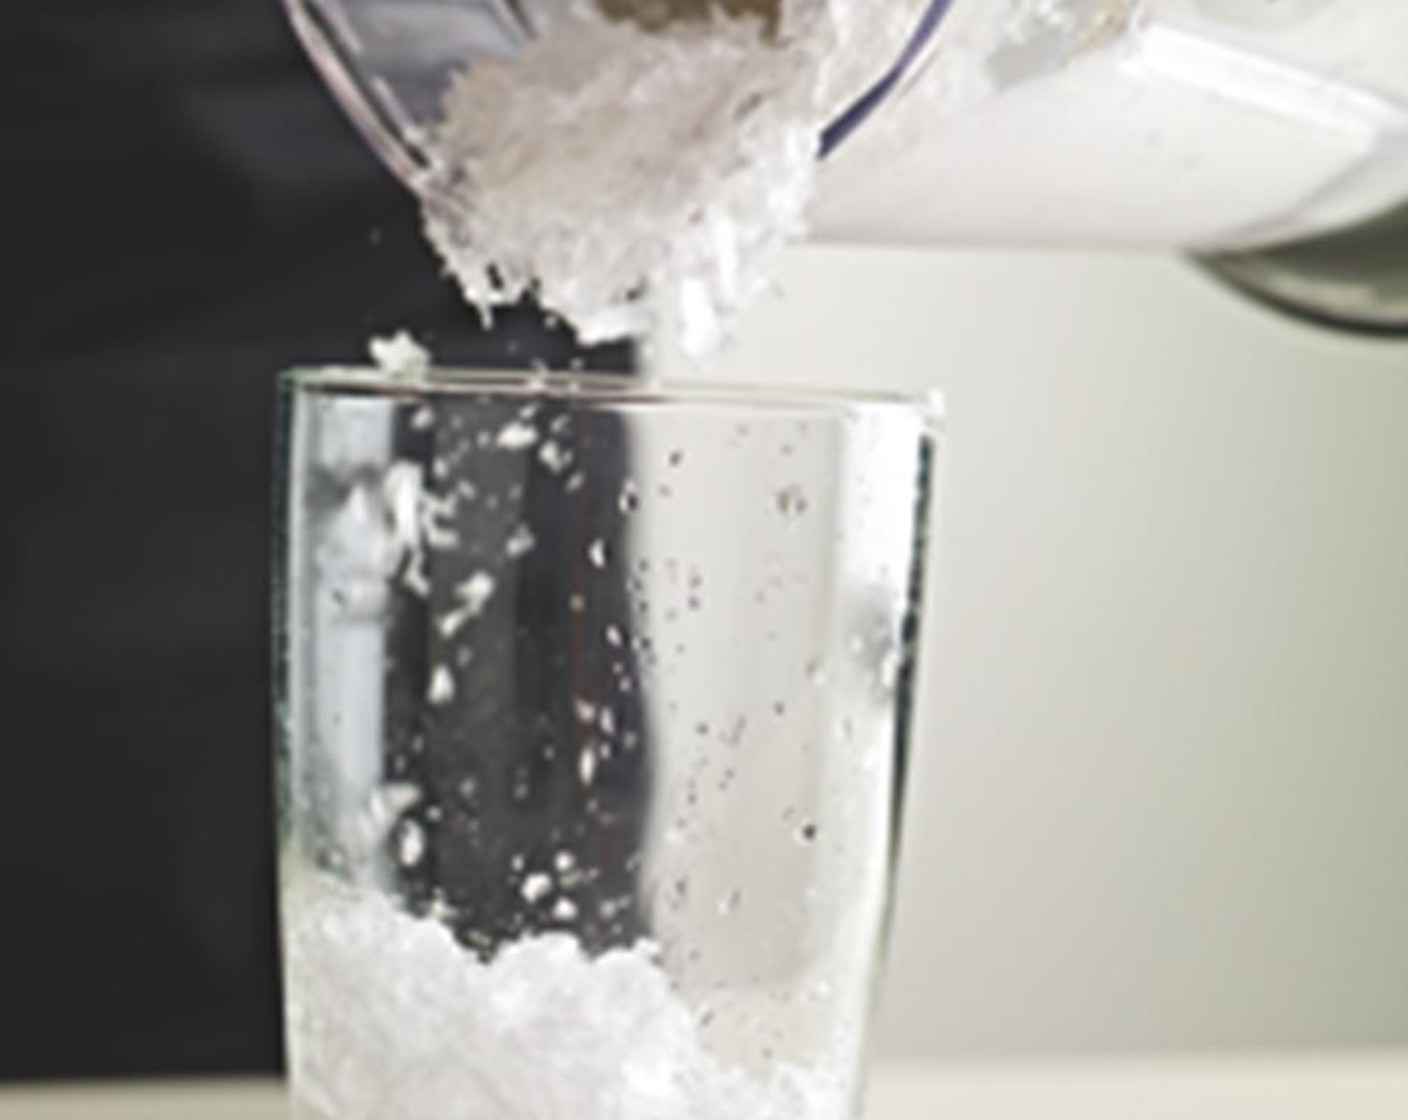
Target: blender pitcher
(1228,128)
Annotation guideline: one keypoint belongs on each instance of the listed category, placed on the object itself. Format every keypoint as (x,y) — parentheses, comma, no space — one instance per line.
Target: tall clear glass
(594,706)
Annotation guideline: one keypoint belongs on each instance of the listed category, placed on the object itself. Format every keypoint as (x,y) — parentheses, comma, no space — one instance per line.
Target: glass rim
(611,389)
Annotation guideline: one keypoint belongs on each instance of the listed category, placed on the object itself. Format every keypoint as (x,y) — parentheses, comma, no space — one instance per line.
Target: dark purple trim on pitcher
(870,100)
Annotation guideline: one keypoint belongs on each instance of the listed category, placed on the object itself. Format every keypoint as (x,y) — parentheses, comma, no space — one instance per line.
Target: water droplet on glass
(586,764)
(596,553)
(410,844)
(629,499)
(678,892)
(564,860)
(613,636)
(516,435)
(554,456)
(675,458)
(536,887)
(520,542)
(442,686)
(475,592)
(574,482)
(791,501)
(564,910)
(729,903)
(888,672)
(806,834)
(576,603)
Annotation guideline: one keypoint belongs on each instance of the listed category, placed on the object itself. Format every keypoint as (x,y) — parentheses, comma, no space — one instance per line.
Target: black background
(186,213)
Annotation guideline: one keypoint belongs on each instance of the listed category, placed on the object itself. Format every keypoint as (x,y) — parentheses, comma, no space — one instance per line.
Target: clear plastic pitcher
(1215,126)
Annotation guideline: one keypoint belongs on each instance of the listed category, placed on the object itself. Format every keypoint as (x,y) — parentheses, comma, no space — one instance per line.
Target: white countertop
(1306,1087)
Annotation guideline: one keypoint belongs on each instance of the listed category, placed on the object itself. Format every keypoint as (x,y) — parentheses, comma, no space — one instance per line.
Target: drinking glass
(594,701)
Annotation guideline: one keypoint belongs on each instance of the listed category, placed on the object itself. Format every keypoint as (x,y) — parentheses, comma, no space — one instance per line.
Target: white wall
(1161,789)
